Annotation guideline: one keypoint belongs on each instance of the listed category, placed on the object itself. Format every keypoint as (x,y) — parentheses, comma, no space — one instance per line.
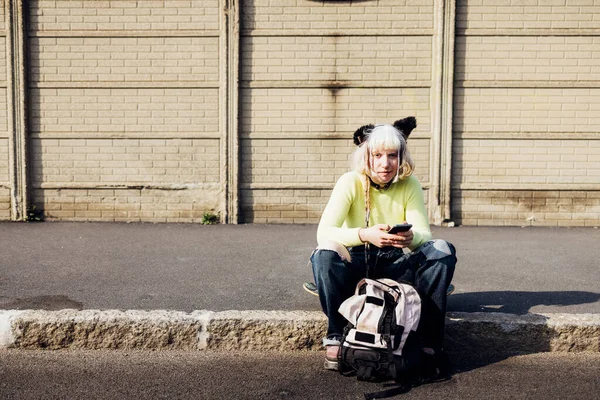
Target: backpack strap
(390,355)
(388,392)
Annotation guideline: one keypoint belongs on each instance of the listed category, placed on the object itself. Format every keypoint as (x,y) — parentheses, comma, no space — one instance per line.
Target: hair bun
(360,135)
(406,125)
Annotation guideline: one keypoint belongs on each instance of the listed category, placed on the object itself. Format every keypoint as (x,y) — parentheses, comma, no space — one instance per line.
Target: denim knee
(438,249)
(323,260)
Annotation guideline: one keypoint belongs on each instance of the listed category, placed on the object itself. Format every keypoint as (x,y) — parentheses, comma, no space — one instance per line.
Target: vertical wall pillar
(442,107)
(229,43)
(447,109)
(17,110)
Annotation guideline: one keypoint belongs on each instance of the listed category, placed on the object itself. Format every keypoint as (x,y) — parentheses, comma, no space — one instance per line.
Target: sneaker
(331,358)
(311,288)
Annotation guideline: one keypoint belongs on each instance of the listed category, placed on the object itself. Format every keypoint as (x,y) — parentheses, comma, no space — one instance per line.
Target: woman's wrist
(361,237)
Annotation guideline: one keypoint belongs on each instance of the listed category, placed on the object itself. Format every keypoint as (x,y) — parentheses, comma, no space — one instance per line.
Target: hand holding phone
(400,228)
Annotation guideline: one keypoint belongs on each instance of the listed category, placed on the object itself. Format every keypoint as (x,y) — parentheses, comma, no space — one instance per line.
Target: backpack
(380,340)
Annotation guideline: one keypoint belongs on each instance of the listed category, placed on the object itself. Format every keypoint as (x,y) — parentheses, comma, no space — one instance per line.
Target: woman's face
(384,165)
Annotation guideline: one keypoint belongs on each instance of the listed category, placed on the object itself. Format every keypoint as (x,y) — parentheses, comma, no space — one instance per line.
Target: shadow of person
(516,302)
(474,345)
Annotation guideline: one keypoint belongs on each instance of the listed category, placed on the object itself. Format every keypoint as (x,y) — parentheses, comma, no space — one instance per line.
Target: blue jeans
(429,269)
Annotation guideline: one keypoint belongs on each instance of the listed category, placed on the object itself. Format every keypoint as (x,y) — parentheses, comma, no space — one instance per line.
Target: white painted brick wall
(283,206)
(88,57)
(304,14)
(2,15)
(3,64)
(527,110)
(526,58)
(283,128)
(127,161)
(528,14)
(527,161)
(3,112)
(124,110)
(344,58)
(4,177)
(5,202)
(527,208)
(103,75)
(150,205)
(294,161)
(536,131)
(126,15)
(317,110)
(118,59)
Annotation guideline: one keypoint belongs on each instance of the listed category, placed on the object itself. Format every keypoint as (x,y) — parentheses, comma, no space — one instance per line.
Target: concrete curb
(275,330)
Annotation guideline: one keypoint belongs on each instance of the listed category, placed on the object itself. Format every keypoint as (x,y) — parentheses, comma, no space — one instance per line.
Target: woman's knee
(444,246)
(325,261)
(437,249)
(440,253)
(337,247)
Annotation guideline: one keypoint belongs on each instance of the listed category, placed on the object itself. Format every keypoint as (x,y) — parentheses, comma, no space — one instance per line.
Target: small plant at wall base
(210,219)
(34,214)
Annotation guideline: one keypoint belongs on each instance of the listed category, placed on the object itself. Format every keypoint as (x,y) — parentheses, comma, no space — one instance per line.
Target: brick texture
(527,208)
(149,205)
(283,206)
(124,110)
(527,110)
(502,157)
(302,162)
(5,202)
(2,57)
(127,161)
(527,161)
(117,59)
(348,68)
(125,117)
(308,161)
(522,58)
(2,15)
(145,68)
(316,110)
(294,161)
(3,112)
(111,15)
(306,15)
(337,58)
(4,179)
(527,14)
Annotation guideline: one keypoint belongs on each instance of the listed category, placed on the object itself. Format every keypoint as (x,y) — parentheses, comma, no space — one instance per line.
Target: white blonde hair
(382,138)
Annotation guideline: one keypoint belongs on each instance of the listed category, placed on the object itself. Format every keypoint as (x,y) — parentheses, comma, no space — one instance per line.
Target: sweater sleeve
(331,227)
(416,213)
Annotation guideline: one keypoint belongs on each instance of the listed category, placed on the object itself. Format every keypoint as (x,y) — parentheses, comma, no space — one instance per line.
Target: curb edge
(274,330)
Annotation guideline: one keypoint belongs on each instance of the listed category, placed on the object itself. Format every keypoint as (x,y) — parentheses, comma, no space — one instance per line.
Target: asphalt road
(269,375)
(190,267)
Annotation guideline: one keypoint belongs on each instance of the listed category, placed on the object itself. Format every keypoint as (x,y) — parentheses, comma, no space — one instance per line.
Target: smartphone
(400,228)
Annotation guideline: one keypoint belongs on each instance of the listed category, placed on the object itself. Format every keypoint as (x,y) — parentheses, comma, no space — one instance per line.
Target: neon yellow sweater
(344,214)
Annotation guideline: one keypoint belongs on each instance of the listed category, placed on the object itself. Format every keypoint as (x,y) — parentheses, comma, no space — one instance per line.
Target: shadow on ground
(472,346)
(515,302)
(48,303)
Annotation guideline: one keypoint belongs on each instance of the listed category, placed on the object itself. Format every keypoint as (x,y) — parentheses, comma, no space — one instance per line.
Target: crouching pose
(353,235)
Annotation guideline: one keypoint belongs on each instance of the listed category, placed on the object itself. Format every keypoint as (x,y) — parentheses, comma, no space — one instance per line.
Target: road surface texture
(278,375)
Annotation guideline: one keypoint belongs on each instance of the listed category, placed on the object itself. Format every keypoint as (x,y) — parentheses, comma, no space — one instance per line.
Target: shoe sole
(331,365)
(310,288)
